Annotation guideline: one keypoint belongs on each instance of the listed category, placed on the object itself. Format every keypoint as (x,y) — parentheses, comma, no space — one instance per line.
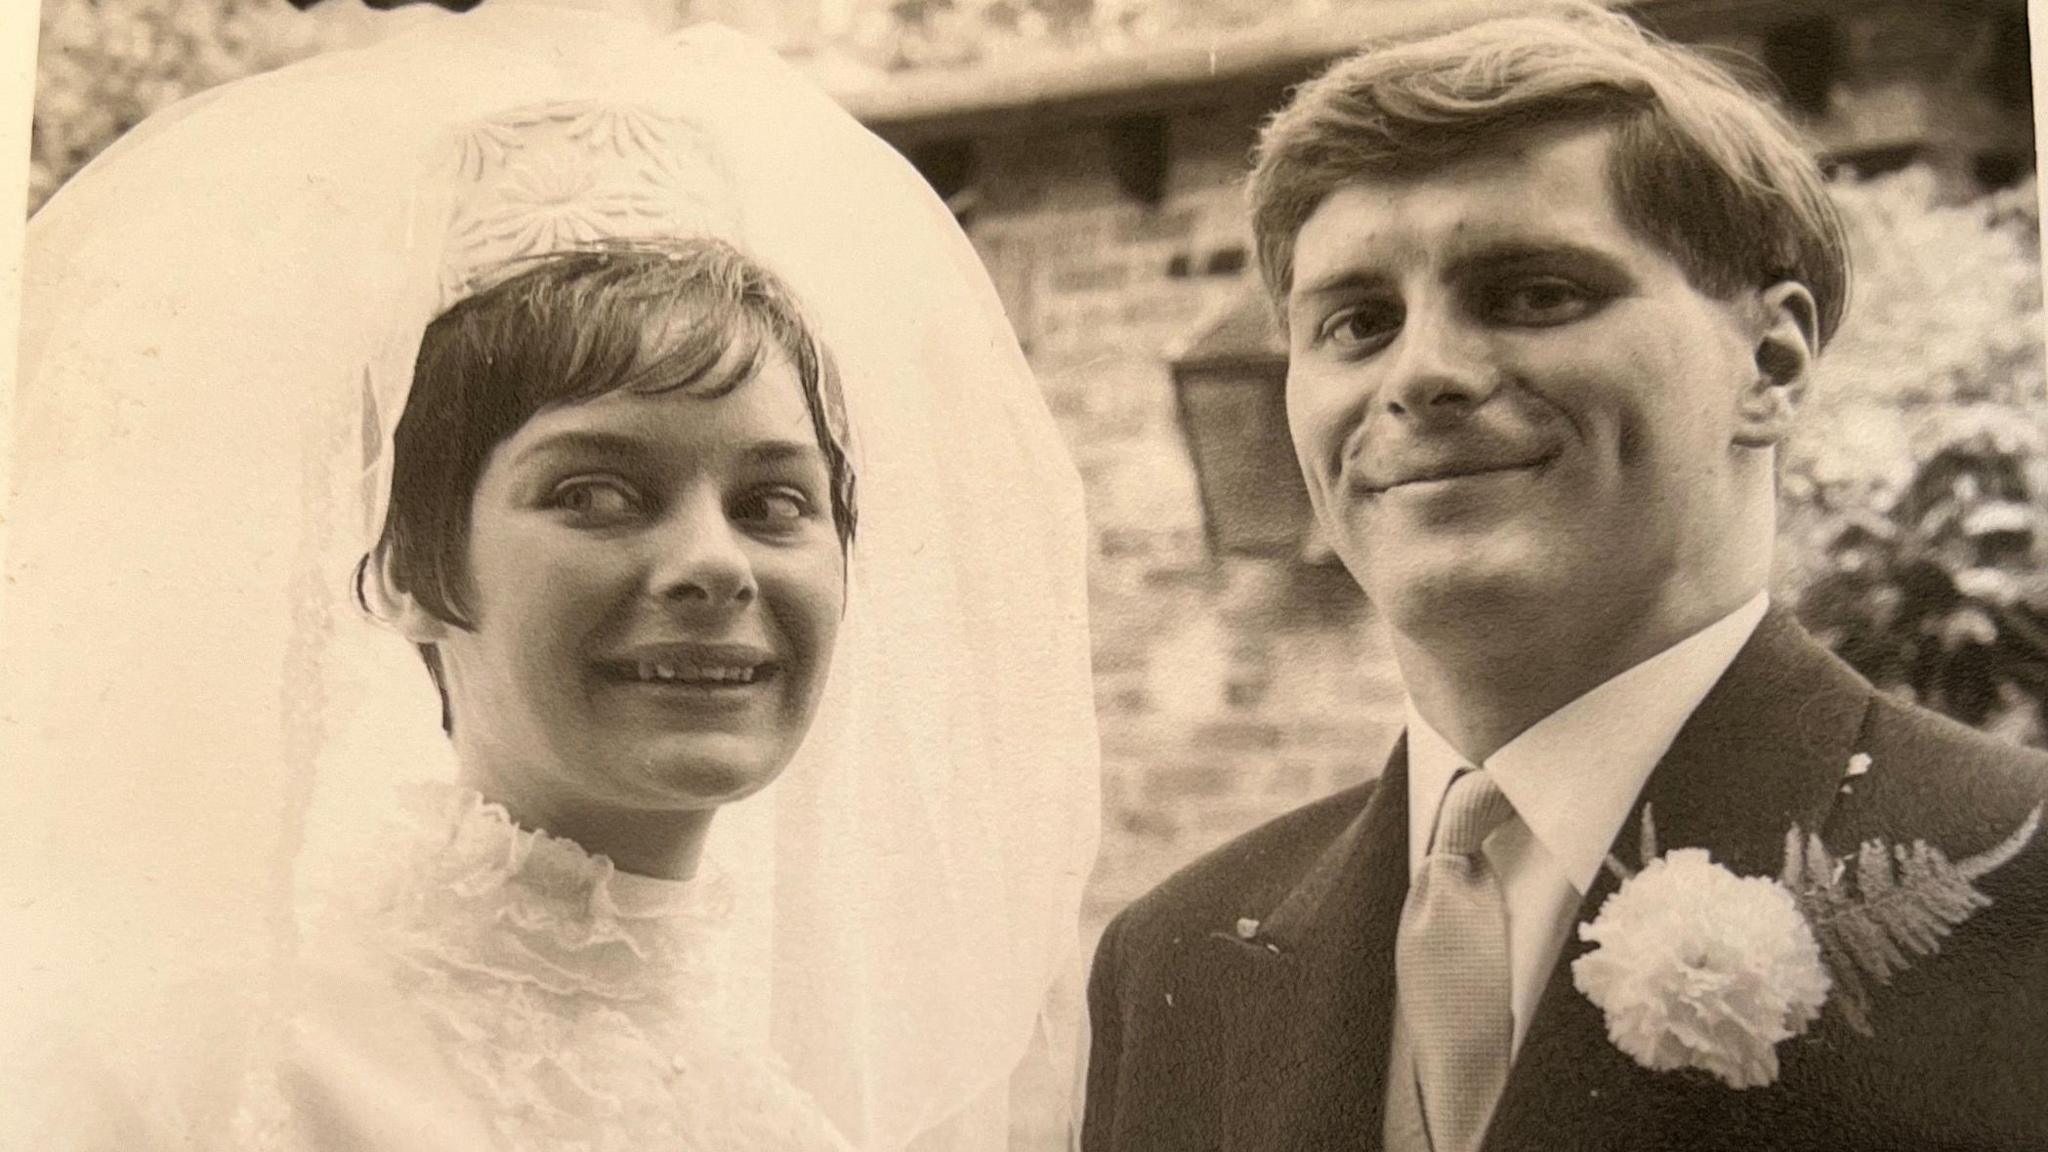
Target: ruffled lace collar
(474,891)
(579,1006)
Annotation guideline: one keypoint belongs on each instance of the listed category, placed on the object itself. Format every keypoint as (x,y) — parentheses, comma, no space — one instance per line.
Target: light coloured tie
(1451,965)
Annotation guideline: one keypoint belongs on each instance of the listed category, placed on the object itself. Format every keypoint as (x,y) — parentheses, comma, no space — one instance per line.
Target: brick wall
(1228,690)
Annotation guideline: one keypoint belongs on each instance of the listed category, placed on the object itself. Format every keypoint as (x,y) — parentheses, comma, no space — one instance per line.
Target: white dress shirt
(1572,778)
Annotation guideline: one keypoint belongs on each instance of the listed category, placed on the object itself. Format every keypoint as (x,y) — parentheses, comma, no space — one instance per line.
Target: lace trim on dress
(486,896)
(578,1005)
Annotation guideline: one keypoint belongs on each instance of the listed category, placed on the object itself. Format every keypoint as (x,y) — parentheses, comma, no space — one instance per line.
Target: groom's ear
(1787,340)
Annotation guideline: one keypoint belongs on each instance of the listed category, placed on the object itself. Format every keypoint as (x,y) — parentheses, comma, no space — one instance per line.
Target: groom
(1553,291)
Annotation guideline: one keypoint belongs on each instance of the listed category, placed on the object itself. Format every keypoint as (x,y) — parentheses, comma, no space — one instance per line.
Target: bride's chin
(696,780)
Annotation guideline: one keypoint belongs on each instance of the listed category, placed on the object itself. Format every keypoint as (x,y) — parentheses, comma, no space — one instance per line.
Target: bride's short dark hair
(649,316)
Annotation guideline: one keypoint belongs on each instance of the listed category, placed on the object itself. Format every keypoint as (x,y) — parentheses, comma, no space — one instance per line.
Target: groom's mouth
(1437,474)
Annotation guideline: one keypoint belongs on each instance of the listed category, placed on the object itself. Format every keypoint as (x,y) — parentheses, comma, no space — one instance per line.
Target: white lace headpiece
(570,175)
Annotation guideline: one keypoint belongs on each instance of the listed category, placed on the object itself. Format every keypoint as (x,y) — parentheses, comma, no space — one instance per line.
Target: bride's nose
(700,557)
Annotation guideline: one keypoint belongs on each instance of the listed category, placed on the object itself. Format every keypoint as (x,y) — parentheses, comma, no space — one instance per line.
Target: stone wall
(1228,690)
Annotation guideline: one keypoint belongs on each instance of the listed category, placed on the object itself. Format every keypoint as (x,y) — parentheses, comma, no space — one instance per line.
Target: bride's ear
(382,595)
(1787,342)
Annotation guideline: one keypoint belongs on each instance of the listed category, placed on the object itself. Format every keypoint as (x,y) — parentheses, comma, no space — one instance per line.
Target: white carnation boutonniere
(1697,967)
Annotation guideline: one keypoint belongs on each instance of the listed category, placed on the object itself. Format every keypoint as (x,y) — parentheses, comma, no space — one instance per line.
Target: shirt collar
(1573,776)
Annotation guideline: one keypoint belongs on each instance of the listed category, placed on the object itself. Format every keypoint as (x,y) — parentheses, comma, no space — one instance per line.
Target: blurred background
(1094,151)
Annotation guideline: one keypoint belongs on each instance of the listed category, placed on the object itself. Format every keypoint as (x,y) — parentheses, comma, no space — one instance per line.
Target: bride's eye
(593,499)
(774,508)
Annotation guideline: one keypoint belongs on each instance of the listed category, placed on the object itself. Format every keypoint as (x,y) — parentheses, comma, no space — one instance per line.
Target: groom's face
(1504,401)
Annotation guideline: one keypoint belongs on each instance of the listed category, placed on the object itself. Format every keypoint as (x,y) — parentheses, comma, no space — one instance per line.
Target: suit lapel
(1766,749)
(1317,982)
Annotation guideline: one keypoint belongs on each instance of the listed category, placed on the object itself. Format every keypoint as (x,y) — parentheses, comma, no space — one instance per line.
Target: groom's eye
(1362,328)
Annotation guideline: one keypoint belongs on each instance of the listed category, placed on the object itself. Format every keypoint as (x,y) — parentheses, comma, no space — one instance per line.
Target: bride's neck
(665,845)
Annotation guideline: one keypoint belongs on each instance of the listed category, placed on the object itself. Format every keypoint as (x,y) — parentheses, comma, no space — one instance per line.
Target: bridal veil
(220,320)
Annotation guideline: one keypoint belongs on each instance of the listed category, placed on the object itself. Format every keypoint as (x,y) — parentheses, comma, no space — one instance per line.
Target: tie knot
(1473,807)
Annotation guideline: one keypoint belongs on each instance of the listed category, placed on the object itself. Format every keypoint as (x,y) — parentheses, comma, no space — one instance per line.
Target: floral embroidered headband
(560,177)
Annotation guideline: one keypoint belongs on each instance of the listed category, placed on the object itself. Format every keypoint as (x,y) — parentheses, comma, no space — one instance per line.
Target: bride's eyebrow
(783,452)
(587,445)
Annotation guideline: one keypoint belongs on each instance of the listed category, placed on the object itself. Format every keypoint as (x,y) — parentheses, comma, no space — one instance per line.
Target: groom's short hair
(1711,174)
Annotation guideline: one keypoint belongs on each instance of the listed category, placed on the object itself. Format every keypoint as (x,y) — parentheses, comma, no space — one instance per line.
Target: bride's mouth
(693,677)
(699,676)
(717,669)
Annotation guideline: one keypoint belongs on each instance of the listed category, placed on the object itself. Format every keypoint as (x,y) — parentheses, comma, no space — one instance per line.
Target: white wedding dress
(483,987)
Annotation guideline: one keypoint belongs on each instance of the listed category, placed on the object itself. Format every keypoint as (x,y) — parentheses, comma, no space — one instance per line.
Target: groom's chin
(1438,590)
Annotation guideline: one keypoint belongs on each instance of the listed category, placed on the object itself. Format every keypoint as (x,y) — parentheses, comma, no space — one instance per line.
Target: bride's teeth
(654,671)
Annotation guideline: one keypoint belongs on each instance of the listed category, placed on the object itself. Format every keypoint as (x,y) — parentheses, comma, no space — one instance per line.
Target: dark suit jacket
(1205,1040)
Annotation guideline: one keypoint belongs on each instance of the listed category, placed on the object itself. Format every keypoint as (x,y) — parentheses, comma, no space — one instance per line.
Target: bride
(660,412)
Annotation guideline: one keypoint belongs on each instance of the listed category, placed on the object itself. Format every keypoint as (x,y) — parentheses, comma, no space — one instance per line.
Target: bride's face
(656,582)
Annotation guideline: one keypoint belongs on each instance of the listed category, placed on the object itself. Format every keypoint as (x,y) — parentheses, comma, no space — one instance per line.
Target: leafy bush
(105,65)
(907,34)
(1916,504)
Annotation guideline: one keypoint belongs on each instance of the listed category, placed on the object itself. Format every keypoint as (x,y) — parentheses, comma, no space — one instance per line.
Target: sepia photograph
(1024,576)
